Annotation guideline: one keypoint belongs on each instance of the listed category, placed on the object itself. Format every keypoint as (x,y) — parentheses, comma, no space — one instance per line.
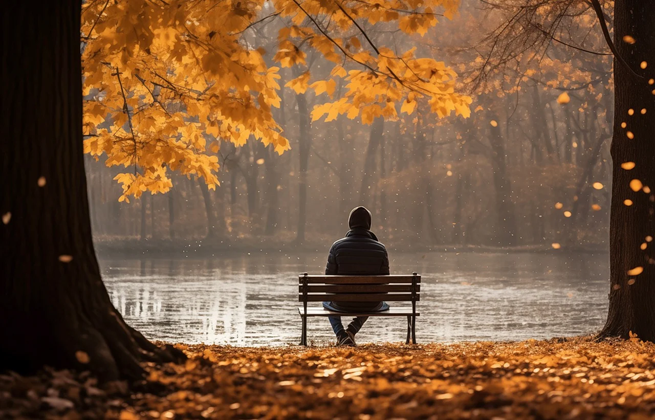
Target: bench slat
(358,288)
(391,312)
(359,279)
(368,297)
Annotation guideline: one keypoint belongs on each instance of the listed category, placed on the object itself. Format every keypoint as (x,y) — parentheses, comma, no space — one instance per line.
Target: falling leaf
(6,218)
(636,271)
(567,214)
(558,206)
(493,123)
(628,202)
(644,65)
(595,207)
(65,258)
(563,99)
(260,161)
(449,173)
(628,39)
(597,186)
(646,189)
(649,238)
(556,246)
(636,185)
(624,125)
(630,135)
(628,166)
(644,246)
(631,282)
(41,182)
(82,357)
(643,111)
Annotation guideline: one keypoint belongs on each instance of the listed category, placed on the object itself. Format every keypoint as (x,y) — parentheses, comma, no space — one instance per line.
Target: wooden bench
(390,288)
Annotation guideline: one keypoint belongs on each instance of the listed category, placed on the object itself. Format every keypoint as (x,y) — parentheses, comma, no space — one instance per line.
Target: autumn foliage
(165,81)
(554,379)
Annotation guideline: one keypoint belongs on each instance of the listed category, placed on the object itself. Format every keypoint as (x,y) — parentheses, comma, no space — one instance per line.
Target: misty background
(524,179)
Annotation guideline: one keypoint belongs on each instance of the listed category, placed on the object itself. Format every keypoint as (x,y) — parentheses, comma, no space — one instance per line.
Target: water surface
(251,299)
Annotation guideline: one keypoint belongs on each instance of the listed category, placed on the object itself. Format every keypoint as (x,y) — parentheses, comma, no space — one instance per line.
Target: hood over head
(360,218)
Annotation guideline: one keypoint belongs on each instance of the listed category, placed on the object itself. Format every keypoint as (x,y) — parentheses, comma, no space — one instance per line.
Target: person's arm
(331,268)
(385,264)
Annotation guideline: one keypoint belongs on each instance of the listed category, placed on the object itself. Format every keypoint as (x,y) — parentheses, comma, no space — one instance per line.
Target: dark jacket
(359,252)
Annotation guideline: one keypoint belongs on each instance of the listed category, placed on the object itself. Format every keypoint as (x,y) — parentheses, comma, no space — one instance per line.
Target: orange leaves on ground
(545,379)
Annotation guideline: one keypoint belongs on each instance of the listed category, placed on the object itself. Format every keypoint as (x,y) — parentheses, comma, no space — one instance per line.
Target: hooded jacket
(358,253)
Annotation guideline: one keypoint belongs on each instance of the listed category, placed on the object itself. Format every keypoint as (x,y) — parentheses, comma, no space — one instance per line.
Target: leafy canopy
(164,81)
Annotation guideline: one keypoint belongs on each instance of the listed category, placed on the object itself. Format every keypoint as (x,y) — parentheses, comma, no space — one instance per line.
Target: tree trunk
(171,215)
(368,175)
(506,219)
(345,169)
(212,229)
(632,295)
(305,144)
(54,308)
(143,234)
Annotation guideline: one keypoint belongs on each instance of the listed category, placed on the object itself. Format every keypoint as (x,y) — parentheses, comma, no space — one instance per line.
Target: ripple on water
(252,300)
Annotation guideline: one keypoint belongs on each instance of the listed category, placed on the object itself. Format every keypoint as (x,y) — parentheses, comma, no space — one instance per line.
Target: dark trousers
(355,325)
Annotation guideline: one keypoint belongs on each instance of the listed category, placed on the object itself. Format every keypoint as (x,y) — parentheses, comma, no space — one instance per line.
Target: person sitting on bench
(359,253)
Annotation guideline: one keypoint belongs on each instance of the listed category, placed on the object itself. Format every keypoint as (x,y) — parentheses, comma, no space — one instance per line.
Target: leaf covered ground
(558,378)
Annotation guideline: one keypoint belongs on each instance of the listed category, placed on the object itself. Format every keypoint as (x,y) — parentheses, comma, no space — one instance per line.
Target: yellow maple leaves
(165,82)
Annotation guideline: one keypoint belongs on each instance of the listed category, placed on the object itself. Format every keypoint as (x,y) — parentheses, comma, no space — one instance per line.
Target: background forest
(530,167)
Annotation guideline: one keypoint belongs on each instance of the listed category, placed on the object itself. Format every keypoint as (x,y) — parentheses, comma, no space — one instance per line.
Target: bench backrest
(396,288)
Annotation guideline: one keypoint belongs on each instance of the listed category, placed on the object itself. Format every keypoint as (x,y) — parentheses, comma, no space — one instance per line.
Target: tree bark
(54,307)
(632,296)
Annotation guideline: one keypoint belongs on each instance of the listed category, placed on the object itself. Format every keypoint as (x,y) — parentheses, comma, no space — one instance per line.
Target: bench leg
(409,328)
(414,330)
(303,337)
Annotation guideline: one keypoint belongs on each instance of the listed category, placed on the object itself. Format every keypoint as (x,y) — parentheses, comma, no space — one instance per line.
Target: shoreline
(202,248)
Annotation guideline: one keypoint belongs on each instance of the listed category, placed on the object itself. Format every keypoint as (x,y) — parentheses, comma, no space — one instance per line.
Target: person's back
(358,253)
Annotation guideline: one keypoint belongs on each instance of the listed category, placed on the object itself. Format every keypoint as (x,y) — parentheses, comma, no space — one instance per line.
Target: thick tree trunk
(632,294)
(54,308)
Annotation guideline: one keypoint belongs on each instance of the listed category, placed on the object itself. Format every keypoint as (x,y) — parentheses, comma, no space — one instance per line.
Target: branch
(126,109)
(86,38)
(606,33)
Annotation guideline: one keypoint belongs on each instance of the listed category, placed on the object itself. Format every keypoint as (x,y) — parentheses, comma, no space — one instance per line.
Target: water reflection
(252,299)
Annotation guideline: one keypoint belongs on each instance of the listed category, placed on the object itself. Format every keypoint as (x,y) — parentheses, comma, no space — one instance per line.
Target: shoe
(352,336)
(345,341)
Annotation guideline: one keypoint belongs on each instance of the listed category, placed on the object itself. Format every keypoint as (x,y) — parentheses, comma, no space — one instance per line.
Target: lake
(251,299)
